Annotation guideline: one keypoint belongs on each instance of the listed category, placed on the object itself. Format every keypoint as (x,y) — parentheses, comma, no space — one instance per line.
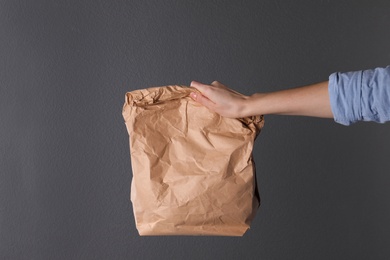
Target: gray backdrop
(64,156)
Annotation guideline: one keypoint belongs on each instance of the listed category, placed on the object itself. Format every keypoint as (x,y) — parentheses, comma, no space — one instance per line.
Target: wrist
(251,105)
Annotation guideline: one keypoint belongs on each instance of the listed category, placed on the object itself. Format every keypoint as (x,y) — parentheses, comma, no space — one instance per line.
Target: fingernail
(193,82)
(193,95)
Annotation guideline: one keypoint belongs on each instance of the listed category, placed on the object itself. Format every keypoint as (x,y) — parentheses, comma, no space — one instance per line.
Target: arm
(311,100)
(347,97)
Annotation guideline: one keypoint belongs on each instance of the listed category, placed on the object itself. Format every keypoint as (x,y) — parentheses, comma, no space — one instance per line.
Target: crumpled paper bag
(193,172)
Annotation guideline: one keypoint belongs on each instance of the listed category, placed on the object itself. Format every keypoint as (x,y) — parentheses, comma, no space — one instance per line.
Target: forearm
(311,100)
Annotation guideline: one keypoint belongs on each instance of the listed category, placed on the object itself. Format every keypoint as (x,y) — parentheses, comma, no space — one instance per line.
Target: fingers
(198,97)
(202,97)
(207,90)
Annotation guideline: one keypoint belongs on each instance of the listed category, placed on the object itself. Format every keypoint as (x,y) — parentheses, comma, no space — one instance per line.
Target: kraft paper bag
(193,172)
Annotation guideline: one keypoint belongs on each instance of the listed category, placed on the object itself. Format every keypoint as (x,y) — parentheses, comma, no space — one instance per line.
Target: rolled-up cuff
(375,101)
(345,95)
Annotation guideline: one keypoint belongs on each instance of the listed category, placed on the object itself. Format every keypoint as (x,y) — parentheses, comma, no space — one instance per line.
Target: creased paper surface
(193,172)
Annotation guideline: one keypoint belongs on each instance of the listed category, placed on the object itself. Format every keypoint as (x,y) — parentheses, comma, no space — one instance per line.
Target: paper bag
(193,172)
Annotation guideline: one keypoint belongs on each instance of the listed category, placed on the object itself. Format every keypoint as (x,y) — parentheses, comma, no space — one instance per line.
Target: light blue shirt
(360,95)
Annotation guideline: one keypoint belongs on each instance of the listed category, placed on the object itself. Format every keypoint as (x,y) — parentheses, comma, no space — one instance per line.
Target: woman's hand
(220,99)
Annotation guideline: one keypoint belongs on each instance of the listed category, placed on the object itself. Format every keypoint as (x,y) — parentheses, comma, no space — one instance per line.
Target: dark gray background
(64,156)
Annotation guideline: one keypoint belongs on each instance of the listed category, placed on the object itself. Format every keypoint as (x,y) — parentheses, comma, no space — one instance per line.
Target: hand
(220,99)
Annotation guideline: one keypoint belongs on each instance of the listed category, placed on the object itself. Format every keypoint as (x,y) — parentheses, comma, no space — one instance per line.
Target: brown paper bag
(193,172)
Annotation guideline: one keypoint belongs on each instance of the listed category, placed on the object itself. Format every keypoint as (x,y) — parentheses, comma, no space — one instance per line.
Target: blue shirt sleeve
(360,96)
